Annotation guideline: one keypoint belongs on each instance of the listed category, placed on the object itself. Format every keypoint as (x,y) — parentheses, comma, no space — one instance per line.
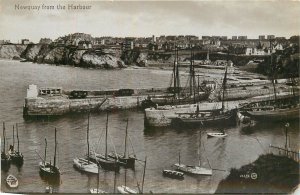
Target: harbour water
(161,145)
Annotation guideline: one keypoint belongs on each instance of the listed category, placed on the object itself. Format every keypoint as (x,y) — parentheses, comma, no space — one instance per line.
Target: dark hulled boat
(16,156)
(126,160)
(104,160)
(209,117)
(5,158)
(47,169)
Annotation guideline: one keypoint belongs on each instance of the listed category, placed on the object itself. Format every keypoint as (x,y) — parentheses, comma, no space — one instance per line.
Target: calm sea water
(161,146)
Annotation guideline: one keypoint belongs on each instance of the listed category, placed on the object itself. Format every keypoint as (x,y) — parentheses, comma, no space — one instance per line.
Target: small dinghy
(126,190)
(216,135)
(85,165)
(12,181)
(173,174)
(97,191)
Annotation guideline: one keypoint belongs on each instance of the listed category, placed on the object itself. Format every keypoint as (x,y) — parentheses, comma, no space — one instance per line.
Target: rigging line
(131,145)
(99,140)
(260,144)
(113,145)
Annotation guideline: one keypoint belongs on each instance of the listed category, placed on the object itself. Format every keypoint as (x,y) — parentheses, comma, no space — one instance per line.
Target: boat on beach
(12,181)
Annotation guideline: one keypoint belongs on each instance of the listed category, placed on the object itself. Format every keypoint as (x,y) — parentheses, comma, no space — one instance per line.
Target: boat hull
(83,165)
(46,169)
(196,170)
(218,135)
(173,174)
(109,164)
(16,158)
(126,190)
(125,162)
(277,114)
(222,119)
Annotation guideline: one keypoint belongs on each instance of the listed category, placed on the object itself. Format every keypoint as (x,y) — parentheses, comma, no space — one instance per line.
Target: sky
(147,18)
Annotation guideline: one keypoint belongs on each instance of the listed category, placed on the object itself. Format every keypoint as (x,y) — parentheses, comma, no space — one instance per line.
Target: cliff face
(101,61)
(11,51)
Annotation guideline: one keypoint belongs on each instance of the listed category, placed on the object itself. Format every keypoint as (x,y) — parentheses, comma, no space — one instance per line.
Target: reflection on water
(160,145)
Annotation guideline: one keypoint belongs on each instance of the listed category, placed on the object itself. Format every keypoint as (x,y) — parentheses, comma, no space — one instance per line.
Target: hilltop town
(80,49)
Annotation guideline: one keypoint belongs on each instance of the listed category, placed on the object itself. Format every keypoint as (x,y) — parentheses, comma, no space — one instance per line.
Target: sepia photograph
(152,97)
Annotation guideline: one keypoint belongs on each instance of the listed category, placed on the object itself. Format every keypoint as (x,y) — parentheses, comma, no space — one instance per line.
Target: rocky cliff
(39,53)
(11,51)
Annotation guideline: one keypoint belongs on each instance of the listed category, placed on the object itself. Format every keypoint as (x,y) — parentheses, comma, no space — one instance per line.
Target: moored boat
(126,190)
(173,174)
(85,164)
(104,160)
(12,181)
(219,135)
(16,156)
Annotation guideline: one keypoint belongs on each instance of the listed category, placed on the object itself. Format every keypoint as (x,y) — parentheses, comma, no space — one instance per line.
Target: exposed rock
(45,49)
(32,51)
(11,51)
(75,57)
(101,61)
(142,59)
(58,55)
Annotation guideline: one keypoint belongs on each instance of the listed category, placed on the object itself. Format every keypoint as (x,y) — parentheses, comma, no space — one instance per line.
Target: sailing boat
(85,164)
(178,96)
(105,161)
(5,158)
(206,117)
(46,168)
(16,156)
(97,190)
(277,109)
(194,169)
(125,160)
(124,189)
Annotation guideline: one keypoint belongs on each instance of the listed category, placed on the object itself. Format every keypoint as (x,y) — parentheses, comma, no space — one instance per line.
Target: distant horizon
(147,18)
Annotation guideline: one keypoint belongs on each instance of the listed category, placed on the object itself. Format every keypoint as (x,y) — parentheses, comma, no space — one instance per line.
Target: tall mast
(14,137)
(191,73)
(17,135)
(273,71)
(144,174)
(224,88)
(125,151)
(174,71)
(106,135)
(55,147)
(45,151)
(4,137)
(87,138)
(199,157)
(177,72)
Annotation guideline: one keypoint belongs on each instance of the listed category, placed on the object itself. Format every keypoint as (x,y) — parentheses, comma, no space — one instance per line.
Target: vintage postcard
(196,97)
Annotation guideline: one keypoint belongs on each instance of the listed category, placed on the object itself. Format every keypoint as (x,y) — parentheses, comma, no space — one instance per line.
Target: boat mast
(87,138)
(179,158)
(45,151)
(174,72)
(224,88)
(54,147)
(125,150)
(106,135)
(17,135)
(144,174)
(199,157)
(177,72)
(4,137)
(14,137)
(115,178)
(273,71)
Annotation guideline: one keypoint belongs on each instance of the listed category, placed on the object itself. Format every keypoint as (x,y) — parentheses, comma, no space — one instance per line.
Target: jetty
(55,101)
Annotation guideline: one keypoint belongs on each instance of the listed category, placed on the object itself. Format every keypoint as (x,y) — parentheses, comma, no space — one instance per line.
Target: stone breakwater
(62,105)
